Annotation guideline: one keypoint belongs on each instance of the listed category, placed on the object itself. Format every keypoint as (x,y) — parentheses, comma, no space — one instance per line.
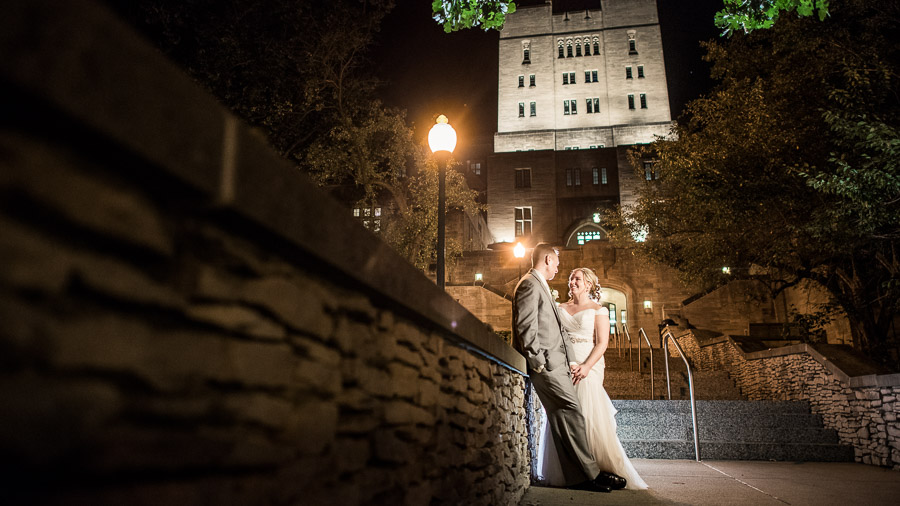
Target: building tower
(575,89)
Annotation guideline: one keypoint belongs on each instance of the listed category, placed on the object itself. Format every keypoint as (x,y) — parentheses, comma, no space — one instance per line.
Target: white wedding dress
(599,412)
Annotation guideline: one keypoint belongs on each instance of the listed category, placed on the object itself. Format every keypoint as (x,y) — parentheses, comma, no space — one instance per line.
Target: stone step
(756,433)
(720,450)
(728,430)
(707,385)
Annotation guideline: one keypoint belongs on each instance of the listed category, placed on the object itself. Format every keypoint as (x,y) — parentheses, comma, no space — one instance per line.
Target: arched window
(596,46)
(559,45)
(587,48)
(569,53)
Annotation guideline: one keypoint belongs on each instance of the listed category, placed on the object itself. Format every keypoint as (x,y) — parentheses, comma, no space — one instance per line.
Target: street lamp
(519,252)
(441,140)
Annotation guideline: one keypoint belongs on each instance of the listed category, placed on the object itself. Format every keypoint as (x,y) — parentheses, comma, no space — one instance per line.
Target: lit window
(628,73)
(650,171)
(523,178)
(568,176)
(531,80)
(595,176)
(589,235)
(356,212)
(367,212)
(631,101)
(577,174)
(522,109)
(476,168)
(521,81)
(523,221)
(377,211)
(603,175)
(376,225)
(534,109)
(640,71)
(643,100)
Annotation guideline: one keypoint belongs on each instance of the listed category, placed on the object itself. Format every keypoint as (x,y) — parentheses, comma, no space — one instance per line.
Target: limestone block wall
(486,305)
(863,410)
(183,322)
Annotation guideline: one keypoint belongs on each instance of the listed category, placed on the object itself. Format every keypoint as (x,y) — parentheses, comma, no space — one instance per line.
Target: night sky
(427,71)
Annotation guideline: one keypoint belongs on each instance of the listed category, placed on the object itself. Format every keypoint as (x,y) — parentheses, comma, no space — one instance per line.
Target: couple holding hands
(563,347)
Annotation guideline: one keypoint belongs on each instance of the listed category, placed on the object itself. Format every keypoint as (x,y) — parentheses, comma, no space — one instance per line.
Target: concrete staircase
(729,430)
(730,427)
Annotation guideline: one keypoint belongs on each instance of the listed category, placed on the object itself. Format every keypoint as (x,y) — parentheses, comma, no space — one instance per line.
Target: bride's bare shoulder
(601,310)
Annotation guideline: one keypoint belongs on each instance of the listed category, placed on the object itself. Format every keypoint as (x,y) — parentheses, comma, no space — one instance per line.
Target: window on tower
(587,49)
(565,107)
(523,221)
(531,80)
(574,104)
(521,81)
(628,72)
(568,50)
(631,101)
(594,76)
(521,109)
(523,178)
(632,46)
(578,50)
(643,100)
(640,71)
(596,47)
(533,109)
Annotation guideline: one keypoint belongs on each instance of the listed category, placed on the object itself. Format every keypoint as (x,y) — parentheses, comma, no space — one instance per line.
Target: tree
(456,15)
(788,171)
(750,15)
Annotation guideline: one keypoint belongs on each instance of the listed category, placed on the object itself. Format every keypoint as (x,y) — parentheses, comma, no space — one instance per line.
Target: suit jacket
(537,331)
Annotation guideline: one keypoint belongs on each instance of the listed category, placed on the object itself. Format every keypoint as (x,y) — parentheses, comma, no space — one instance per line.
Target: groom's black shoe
(591,486)
(613,481)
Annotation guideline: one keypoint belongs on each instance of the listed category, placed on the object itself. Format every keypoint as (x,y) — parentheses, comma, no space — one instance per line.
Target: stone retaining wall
(863,410)
(187,320)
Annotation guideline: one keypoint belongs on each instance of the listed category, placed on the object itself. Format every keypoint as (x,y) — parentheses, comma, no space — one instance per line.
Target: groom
(538,335)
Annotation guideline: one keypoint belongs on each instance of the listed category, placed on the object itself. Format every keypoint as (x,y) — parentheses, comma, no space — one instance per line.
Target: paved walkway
(733,483)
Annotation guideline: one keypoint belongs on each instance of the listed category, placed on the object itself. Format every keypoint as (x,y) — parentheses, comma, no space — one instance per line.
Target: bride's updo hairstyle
(590,277)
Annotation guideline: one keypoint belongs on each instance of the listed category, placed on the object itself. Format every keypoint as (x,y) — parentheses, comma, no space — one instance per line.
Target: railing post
(650,349)
(666,336)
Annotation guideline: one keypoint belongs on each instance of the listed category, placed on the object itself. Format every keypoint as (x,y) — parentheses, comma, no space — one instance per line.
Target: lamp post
(441,140)
(519,252)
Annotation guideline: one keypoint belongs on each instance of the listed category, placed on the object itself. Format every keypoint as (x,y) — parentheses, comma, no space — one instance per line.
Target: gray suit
(539,336)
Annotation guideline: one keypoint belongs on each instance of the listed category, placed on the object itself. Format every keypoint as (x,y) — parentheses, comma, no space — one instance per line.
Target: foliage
(297,71)
(294,69)
(788,170)
(456,15)
(749,15)
(412,227)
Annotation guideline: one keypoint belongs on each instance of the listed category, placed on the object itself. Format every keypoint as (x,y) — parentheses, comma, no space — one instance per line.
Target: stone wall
(863,410)
(489,307)
(183,322)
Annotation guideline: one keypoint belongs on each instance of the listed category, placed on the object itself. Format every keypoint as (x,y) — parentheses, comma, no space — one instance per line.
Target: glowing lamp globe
(519,250)
(442,136)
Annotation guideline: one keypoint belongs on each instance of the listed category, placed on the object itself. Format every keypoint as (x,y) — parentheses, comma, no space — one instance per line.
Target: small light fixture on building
(648,306)
(478,276)
(596,217)
(726,270)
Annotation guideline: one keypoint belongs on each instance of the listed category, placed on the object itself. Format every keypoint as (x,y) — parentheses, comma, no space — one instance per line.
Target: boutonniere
(555,294)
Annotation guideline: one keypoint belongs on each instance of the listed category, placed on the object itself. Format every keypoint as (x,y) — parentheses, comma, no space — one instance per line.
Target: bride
(587,324)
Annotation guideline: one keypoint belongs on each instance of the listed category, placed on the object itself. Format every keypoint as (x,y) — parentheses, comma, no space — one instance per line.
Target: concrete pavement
(735,483)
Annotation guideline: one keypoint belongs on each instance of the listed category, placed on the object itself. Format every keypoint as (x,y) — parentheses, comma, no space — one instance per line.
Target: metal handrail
(644,335)
(630,346)
(666,336)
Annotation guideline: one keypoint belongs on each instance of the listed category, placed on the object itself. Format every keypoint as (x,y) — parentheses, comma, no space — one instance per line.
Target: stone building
(576,89)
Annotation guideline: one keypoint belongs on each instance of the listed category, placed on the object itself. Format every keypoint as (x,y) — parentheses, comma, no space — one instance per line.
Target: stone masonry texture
(167,338)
